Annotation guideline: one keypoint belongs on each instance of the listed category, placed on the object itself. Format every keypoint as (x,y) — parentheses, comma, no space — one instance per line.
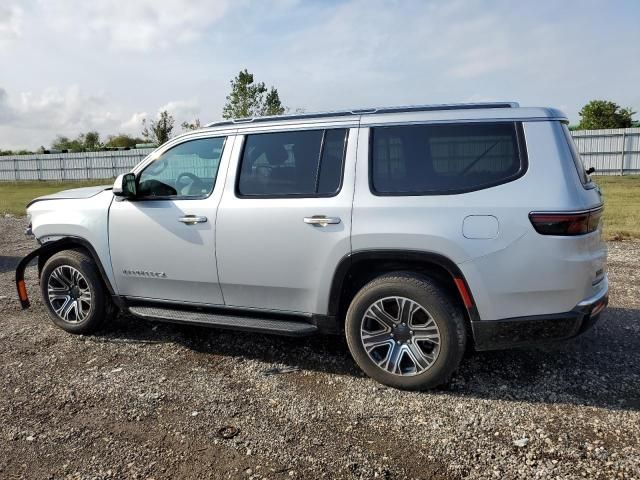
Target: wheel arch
(358,268)
(47,250)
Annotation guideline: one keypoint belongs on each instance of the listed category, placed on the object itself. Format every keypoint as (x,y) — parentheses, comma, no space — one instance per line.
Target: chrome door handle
(321,220)
(192,219)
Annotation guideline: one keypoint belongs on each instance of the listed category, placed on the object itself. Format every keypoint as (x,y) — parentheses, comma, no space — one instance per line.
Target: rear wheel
(404,331)
(73,292)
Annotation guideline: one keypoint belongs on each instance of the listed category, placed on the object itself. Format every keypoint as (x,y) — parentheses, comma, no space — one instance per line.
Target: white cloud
(11,17)
(67,109)
(135,25)
(182,110)
(29,119)
(133,124)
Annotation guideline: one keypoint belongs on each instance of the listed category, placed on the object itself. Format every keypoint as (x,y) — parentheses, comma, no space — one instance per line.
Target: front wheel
(73,291)
(404,331)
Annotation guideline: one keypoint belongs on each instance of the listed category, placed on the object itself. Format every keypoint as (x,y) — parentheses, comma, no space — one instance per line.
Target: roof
(367,111)
(371,117)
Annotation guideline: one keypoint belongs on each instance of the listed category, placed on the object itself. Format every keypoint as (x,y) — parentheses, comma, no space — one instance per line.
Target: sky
(70,66)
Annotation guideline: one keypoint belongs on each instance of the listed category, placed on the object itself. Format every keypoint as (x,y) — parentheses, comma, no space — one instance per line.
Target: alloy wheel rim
(69,294)
(400,336)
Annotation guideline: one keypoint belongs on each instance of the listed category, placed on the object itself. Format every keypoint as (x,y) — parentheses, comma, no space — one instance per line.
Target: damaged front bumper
(20,285)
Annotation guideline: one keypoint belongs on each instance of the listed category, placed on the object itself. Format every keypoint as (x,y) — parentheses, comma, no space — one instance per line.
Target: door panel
(164,248)
(269,257)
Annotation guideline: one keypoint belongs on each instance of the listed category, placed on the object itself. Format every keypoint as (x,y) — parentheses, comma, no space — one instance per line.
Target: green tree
(122,140)
(83,142)
(65,143)
(195,125)
(251,99)
(15,152)
(158,131)
(604,114)
(272,104)
(91,141)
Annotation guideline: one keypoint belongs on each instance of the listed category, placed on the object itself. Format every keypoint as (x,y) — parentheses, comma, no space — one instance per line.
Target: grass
(621,194)
(14,196)
(622,206)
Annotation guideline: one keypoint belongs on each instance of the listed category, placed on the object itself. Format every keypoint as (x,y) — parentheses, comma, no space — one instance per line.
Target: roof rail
(368,111)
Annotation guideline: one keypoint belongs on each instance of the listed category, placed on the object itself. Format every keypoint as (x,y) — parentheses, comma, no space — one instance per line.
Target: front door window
(187,170)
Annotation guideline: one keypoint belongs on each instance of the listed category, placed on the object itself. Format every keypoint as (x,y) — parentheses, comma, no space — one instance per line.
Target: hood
(74,193)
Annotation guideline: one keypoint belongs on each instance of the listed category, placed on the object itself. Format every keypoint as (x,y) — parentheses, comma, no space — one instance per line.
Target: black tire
(437,306)
(93,316)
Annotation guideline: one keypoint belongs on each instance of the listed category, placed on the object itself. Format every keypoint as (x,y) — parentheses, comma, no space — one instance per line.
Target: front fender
(50,248)
(20,285)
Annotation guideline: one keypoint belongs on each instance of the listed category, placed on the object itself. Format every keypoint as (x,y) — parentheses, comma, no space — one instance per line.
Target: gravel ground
(146,400)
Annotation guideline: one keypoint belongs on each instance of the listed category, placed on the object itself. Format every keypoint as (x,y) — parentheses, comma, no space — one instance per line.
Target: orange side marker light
(22,291)
(464,293)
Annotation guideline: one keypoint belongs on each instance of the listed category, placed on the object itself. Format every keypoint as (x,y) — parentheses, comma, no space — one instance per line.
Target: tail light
(566,223)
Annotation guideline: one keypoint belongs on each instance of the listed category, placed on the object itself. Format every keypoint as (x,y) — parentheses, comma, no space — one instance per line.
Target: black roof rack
(367,111)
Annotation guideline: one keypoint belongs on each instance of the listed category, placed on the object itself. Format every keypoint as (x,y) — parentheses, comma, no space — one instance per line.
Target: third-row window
(440,159)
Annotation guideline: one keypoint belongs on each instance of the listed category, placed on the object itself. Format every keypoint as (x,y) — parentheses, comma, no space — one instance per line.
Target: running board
(217,320)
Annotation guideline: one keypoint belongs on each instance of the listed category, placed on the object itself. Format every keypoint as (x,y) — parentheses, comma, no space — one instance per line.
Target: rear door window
(444,159)
(304,163)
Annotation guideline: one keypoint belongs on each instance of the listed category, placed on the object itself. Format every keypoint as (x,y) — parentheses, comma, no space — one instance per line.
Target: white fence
(610,152)
(70,166)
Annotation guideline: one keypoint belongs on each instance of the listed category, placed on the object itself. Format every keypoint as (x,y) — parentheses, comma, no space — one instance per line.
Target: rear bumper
(524,331)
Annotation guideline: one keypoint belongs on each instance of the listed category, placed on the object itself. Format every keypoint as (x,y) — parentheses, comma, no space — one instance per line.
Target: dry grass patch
(622,206)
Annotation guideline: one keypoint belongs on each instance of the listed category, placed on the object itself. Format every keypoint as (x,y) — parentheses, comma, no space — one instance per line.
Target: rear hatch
(591,197)
(581,226)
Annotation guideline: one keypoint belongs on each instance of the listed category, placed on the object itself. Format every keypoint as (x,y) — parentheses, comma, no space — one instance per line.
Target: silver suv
(416,232)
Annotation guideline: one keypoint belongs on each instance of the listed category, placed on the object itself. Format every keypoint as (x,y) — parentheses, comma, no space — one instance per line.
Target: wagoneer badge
(144,273)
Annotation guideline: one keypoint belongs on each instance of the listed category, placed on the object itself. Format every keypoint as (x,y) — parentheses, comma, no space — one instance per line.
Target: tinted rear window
(294,163)
(440,159)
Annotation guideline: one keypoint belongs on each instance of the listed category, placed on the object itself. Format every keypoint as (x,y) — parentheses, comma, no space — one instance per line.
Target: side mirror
(125,185)
(591,170)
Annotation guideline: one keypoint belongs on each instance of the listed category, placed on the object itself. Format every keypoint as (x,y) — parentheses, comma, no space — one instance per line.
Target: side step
(231,322)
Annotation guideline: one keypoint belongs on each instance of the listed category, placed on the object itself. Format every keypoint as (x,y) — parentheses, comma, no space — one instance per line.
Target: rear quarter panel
(517,273)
